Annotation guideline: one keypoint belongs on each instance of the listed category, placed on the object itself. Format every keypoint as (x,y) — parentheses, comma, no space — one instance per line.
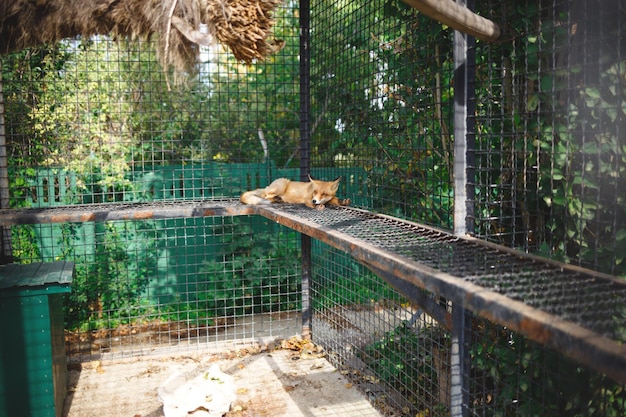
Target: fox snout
(318,201)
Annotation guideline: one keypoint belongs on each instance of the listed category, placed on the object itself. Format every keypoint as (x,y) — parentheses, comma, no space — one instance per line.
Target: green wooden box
(33,370)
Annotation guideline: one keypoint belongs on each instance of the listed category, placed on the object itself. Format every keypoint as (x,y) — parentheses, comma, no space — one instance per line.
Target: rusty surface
(575,311)
(580,313)
(123,211)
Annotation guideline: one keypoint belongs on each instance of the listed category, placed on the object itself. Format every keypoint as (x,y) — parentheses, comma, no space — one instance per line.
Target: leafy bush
(521,377)
(257,270)
(510,375)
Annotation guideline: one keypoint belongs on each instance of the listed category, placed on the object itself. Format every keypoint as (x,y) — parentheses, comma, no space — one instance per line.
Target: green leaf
(620,235)
(612,113)
(591,148)
(592,92)
(532,102)
(547,82)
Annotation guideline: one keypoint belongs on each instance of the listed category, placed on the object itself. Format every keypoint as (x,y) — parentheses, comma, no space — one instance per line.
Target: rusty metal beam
(462,273)
(123,211)
(584,345)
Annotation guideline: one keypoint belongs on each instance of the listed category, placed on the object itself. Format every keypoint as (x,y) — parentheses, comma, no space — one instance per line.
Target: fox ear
(311,178)
(338,179)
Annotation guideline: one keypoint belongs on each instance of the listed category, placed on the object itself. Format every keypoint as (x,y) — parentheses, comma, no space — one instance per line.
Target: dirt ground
(289,378)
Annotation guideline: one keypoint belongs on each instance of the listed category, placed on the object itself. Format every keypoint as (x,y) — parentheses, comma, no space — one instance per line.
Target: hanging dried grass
(244,26)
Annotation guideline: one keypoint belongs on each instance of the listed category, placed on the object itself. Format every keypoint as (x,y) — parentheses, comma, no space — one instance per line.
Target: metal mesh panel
(97,120)
(381,77)
(401,357)
(550,115)
(546,179)
(593,302)
(145,286)
(380,341)
(510,375)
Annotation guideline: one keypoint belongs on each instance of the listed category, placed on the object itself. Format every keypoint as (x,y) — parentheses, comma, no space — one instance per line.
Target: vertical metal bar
(307,313)
(6,254)
(459,359)
(305,155)
(305,90)
(464,128)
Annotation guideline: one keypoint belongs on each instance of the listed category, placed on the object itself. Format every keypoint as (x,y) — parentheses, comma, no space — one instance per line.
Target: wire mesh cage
(171,285)
(550,118)
(147,138)
(367,92)
(97,120)
(387,346)
(544,177)
(381,100)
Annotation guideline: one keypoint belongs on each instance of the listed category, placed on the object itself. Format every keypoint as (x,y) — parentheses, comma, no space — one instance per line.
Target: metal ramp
(575,311)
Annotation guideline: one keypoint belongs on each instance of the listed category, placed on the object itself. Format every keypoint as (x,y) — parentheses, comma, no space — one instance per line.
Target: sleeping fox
(314,194)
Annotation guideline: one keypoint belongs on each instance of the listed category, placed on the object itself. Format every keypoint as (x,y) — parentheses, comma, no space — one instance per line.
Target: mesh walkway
(575,311)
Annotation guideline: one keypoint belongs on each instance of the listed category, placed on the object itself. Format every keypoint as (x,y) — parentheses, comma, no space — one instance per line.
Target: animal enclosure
(133,171)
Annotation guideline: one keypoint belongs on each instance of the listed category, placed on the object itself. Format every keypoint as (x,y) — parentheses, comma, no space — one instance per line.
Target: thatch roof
(244,26)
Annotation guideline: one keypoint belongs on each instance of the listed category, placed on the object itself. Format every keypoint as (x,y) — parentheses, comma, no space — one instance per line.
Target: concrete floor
(288,379)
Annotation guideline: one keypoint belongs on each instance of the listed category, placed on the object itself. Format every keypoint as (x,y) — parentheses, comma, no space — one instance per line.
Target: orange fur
(314,194)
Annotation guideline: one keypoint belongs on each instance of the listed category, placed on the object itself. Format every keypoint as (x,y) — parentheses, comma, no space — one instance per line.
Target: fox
(314,194)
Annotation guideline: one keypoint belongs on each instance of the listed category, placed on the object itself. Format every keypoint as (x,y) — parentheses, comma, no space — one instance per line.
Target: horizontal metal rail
(124,211)
(577,312)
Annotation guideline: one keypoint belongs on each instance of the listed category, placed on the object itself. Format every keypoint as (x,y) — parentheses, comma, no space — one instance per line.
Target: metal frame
(424,257)
(402,256)
(305,155)
(464,108)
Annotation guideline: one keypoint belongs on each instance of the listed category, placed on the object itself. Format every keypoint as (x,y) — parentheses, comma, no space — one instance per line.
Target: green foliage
(552,159)
(82,115)
(375,111)
(400,360)
(23,243)
(347,282)
(109,286)
(255,271)
(586,174)
(511,375)
(524,378)
(246,102)
(24,81)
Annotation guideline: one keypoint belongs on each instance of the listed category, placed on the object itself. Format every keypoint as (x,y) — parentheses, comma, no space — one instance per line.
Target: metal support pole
(459,360)
(305,155)
(6,254)
(305,90)
(464,128)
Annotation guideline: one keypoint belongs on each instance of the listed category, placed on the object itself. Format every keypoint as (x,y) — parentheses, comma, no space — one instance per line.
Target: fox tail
(254,198)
